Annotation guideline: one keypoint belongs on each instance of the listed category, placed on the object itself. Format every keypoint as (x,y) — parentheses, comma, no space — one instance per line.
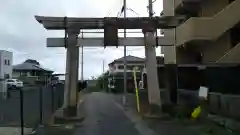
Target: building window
(120,67)
(6,76)
(130,67)
(23,73)
(33,73)
(6,62)
(140,67)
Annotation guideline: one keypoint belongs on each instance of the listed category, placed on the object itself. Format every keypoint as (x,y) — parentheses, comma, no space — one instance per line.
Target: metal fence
(39,104)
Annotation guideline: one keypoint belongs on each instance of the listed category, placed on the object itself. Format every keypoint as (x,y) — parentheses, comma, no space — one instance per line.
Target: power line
(109,13)
(110,10)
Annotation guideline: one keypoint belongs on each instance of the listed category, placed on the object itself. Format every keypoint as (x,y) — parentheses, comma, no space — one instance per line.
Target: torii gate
(110,26)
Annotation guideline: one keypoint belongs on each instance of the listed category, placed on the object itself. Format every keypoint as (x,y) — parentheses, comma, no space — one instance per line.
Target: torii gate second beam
(99,42)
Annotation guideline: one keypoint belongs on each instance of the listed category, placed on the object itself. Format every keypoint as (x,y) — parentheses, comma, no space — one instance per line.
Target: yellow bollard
(136,88)
(196,112)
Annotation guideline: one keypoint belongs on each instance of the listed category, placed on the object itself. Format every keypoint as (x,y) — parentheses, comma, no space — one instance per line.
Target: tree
(102,80)
(93,78)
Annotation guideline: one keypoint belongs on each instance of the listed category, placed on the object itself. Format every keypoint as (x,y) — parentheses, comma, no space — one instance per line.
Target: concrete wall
(216,17)
(212,7)
(169,51)
(231,56)
(217,49)
(212,51)
(221,104)
(185,56)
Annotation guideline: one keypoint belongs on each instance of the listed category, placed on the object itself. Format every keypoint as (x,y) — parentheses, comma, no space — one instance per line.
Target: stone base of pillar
(70,111)
(68,115)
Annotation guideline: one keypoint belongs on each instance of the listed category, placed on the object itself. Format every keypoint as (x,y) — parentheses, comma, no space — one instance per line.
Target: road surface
(104,117)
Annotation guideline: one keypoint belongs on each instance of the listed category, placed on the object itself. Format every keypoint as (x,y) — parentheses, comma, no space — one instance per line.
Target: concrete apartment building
(209,34)
(6,60)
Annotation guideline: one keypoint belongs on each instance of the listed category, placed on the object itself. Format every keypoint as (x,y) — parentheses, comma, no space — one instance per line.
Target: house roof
(30,65)
(129,58)
(160,59)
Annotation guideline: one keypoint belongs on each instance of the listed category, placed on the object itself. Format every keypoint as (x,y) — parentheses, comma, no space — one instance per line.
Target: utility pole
(82,61)
(103,66)
(103,75)
(125,53)
(150,8)
(151,62)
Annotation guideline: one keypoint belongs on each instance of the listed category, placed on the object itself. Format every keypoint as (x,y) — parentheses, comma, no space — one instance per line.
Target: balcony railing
(232,56)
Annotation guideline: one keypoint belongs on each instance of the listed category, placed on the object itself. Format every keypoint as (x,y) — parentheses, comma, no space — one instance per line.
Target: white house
(132,62)
(6,60)
(116,71)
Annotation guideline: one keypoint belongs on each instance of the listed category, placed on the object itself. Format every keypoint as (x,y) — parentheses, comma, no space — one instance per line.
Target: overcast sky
(21,34)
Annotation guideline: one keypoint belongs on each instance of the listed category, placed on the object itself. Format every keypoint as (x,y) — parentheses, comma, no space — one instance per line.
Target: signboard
(110,35)
(203,92)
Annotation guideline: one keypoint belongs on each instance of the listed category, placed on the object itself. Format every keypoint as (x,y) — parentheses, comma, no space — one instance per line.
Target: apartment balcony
(209,28)
(187,6)
(232,56)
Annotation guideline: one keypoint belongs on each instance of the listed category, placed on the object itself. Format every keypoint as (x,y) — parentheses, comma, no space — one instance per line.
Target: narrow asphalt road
(103,117)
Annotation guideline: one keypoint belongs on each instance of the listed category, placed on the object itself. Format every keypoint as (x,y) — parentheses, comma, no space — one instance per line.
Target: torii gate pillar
(71,78)
(151,68)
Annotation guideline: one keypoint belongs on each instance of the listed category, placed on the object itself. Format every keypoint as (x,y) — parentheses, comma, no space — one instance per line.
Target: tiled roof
(30,66)
(129,58)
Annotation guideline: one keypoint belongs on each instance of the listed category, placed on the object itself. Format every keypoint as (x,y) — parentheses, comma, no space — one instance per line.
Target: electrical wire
(92,50)
(110,11)
(130,9)
(133,11)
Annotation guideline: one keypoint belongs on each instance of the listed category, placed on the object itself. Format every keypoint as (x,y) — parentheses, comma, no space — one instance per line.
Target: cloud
(21,34)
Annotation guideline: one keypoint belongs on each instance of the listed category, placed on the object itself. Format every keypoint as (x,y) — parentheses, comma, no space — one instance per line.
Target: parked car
(14,83)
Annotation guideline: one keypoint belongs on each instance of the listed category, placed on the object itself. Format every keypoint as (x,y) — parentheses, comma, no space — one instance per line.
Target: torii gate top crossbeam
(61,23)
